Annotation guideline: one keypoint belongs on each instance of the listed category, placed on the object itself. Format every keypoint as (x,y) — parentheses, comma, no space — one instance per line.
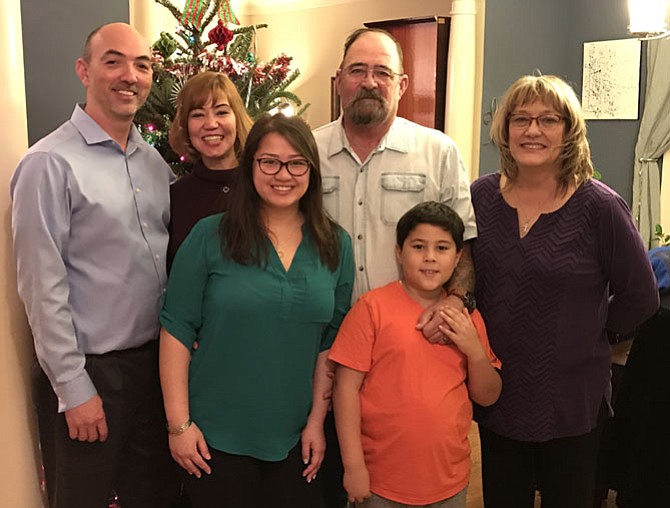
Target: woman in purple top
(558,262)
(210,127)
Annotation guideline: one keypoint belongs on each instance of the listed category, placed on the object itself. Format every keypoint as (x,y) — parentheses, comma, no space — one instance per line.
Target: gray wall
(524,35)
(53,37)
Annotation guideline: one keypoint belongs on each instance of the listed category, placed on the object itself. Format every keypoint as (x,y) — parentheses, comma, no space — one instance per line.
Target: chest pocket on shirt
(400,192)
(331,195)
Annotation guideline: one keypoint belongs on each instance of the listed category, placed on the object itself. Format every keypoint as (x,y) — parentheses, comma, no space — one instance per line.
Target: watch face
(469,301)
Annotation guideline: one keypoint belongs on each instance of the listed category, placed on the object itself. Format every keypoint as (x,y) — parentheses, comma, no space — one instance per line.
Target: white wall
(19,479)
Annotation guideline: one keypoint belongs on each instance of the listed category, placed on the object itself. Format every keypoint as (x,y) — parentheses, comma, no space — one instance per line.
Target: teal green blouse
(259,332)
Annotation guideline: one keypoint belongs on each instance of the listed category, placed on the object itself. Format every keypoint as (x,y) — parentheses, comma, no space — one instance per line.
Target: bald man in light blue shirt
(89,222)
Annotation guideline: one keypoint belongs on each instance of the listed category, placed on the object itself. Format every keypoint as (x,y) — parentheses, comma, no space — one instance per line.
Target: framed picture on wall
(334,100)
(611,79)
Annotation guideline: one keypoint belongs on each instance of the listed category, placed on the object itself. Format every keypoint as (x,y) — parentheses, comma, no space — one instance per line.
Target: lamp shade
(647,17)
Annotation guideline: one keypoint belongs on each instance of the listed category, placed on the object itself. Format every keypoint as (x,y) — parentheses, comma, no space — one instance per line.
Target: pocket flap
(330,184)
(403,182)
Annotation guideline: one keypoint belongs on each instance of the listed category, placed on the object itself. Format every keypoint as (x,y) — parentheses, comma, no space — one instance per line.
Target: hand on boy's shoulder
(430,321)
(460,330)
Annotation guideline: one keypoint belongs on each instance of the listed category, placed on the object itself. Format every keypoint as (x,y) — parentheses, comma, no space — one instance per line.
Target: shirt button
(137,189)
(360,202)
(145,224)
(164,290)
(157,256)
(360,268)
(360,237)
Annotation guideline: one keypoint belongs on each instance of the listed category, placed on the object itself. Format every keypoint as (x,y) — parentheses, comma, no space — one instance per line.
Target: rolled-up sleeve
(455,189)
(182,310)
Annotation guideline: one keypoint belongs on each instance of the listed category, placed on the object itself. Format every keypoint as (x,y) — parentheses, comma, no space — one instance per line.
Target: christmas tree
(263,86)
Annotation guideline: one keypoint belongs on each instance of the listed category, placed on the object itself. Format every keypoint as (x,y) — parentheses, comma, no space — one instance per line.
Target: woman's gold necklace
(528,220)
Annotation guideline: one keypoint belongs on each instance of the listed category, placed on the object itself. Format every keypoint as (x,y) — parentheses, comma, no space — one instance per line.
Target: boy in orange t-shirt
(403,405)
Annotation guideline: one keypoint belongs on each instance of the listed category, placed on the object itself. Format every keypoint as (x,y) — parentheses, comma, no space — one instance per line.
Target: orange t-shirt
(415,408)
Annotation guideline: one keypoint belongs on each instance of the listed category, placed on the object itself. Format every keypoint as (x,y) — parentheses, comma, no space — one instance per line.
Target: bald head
(116,71)
(110,28)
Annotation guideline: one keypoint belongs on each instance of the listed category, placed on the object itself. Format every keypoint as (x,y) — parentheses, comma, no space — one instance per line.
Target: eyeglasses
(380,74)
(547,122)
(271,166)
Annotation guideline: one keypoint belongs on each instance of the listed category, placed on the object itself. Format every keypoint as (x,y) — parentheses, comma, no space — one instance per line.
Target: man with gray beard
(376,166)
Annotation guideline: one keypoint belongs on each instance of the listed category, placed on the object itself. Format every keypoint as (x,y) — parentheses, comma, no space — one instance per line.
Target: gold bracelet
(175,431)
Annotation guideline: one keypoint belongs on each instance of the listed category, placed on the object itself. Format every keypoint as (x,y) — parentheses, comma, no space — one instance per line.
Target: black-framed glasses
(380,74)
(547,122)
(271,166)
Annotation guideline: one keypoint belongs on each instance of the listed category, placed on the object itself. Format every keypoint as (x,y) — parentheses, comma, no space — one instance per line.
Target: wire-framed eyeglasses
(547,122)
(380,74)
(271,166)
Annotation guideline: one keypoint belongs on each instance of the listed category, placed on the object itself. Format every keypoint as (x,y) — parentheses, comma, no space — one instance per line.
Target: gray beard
(362,113)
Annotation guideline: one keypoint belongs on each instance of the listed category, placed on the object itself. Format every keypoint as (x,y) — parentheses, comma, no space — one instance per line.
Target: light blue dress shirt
(89,223)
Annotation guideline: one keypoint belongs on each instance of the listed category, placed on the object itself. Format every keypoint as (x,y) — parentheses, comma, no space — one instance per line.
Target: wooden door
(425,47)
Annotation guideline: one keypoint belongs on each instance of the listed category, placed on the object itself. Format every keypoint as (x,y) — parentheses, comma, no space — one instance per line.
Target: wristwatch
(466,297)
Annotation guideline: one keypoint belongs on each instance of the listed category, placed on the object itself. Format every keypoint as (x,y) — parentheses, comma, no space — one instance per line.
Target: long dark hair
(243,234)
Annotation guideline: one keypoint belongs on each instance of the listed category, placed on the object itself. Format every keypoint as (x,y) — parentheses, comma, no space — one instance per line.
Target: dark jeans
(239,481)
(563,470)
(134,461)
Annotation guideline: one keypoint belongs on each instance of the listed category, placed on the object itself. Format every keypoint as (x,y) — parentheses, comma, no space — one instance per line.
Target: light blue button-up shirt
(89,223)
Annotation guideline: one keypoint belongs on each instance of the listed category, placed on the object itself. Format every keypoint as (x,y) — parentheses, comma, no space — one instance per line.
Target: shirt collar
(93,134)
(395,139)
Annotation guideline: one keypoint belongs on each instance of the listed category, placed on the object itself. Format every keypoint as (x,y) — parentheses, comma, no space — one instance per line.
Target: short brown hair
(86,55)
(434,213)
(361,31)
(194,94)
(575,157)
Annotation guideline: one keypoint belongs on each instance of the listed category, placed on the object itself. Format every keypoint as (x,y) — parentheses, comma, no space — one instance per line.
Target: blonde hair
(575,157)
(194,94)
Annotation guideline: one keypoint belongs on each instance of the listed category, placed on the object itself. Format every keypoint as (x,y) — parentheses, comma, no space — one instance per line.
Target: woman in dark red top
(210,127)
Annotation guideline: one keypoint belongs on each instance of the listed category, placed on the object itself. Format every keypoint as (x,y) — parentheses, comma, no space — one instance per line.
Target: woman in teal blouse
(262,289)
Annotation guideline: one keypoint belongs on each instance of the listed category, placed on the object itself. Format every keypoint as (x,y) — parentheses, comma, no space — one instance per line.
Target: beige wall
(19,480)
(313,31)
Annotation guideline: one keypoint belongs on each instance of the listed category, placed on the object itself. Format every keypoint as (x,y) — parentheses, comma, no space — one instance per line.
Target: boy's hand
(357,484)
(460,330)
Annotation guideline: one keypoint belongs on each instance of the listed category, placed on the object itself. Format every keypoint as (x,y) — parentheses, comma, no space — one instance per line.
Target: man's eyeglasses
(380,74)
(271,166)
(547,122)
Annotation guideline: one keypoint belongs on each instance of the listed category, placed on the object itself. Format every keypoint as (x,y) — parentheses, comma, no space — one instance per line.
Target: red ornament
(220,36)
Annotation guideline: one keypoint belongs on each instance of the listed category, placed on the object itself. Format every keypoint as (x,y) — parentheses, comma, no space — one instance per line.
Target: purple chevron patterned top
(544,298)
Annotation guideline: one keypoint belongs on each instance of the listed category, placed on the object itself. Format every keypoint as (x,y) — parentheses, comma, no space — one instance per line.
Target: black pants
(134,461)
(563,470)
(239,481)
